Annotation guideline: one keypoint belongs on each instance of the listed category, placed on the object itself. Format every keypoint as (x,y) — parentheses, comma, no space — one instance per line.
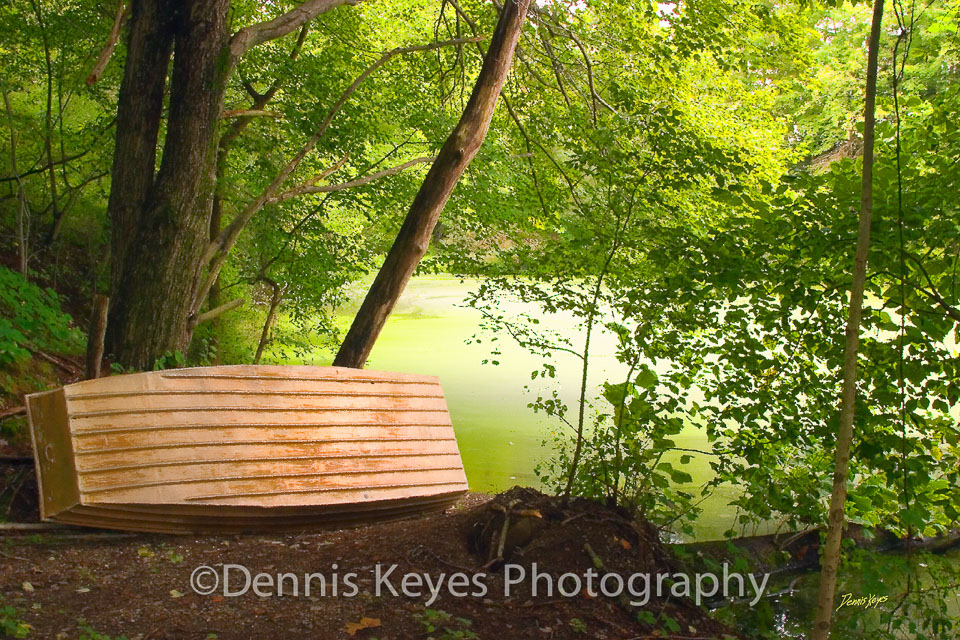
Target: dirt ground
(61,583)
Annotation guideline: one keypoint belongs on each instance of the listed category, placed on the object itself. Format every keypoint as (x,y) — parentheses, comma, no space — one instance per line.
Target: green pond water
(501,440)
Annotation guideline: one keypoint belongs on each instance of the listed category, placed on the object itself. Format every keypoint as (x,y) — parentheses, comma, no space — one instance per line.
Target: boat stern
(53,452)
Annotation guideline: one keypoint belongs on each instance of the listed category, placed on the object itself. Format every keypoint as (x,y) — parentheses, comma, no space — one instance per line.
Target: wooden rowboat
(244,448)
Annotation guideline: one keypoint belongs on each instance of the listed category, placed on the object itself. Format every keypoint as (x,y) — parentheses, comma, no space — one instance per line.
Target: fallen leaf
(625,544)
(27,587)
(365,623)
(175,594)
(83,590)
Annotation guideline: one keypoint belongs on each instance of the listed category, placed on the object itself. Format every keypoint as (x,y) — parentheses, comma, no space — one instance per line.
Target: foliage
(726,290)
(31,318)
(913,597)
(441,625)
(776,277)
(10,625)
(89,633)
(654,158)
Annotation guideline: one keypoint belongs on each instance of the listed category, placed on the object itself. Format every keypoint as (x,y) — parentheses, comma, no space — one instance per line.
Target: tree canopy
(683,176)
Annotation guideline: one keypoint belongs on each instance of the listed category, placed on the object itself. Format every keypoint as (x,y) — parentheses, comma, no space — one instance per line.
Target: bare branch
(537,12)
(302,188)
(311,187)
(123,12)
(249,37)
(213,313)
(248,113)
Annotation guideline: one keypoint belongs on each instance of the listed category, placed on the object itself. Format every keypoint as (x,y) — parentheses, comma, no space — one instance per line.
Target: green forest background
(684,175)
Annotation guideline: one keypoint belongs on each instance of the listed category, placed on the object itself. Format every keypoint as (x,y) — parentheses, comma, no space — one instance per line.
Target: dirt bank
(140,585)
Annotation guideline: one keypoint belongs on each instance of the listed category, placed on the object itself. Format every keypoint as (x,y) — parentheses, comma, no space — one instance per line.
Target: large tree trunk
(138,123)
(830,558)
(454,157)
(164,229)
(161,220)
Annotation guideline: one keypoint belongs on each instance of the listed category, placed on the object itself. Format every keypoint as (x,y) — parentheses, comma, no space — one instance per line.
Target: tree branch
(249,113)
(260,100)
(302,188)
(123,12)
(595,97)
(249,37)
(45,167)
(933,294)
(217,311)
(217,251)
(311,187)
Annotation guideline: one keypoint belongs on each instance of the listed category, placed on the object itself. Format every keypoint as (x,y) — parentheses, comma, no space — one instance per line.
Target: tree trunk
(163,230)
(454,157)
(830,558)
(95,335)
(275,300)
(23,212)
(138,124)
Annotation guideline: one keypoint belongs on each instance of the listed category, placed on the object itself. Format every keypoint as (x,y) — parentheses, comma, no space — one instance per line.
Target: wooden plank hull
(244,448)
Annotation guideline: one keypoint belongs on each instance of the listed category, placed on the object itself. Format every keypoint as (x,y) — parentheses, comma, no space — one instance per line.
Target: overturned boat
(244,448)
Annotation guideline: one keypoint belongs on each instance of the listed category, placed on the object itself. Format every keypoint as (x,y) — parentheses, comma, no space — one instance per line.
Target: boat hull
(244,448)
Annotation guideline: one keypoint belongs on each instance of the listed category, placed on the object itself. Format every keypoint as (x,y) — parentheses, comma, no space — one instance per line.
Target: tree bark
(830,558)
(275,300)
(154,293)
(454,157)
(161,220)
(96,334)
(139,111)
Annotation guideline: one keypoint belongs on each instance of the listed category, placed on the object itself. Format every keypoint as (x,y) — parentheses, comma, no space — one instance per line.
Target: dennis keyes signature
(870,601)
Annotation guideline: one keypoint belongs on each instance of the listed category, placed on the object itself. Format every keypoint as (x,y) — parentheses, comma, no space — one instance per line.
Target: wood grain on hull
(224,449)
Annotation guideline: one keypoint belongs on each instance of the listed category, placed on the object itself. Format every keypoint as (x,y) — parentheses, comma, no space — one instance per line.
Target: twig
(574,517)
(547,603)
(66,365)
(453,565)
(7,555)
(16,460)
(12,411)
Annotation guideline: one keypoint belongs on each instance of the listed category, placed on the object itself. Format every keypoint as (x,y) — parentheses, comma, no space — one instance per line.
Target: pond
(501,440)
